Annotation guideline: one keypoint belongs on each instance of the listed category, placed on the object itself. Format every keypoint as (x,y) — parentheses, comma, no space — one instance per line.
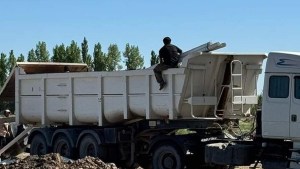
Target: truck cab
(281,96)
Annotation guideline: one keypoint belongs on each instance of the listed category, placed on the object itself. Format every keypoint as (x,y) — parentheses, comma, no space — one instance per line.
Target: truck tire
(167,157)
(90,147)
(63,146)
(38,145)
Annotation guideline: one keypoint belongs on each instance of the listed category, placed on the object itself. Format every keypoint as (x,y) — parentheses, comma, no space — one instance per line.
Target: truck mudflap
(230,154)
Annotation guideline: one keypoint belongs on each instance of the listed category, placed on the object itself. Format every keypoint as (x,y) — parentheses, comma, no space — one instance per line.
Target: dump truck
(123,117)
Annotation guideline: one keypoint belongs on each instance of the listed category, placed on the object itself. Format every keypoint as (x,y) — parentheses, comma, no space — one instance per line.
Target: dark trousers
(2,141)
(158,71)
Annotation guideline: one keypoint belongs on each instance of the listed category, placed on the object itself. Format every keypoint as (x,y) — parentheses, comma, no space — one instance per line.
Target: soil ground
(55,161)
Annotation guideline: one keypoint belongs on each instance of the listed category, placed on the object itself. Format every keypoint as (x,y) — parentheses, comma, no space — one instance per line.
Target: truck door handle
(294,118)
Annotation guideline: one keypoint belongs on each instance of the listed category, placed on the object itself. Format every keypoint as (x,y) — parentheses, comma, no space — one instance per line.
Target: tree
(89,61)
(55,57)
(41,52)
(11,61)
(73,53)
(3,69)
(21,58)
(154,58)
(134,59)
(59,53)
(3,76)
(113,57)
(31,56)
(99,58)
(84,50)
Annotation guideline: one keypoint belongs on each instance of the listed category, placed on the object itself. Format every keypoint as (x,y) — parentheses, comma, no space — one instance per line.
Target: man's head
(6,113)
(167,40)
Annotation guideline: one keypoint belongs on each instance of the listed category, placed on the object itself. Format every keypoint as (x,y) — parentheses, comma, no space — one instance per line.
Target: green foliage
(11,61)
(134,59)
(99,58)
(31,56)
(3,69)
(21,58)
(154,58)
(41,52)
(84,50)
(113,57)
(89,61)
(73,53)
(59,53)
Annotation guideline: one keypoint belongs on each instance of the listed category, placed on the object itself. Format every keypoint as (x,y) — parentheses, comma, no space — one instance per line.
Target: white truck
(123,117)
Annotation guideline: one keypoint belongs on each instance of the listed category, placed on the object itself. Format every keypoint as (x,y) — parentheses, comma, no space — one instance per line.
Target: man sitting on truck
(169,56)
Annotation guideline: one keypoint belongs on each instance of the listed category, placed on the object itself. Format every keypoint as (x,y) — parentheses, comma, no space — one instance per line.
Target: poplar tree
(41,52)
(73,53)
(84,50)
(99,58)
(113,57)
(59,53)
(134,59)
(21,58)
(31,56)
(89,61)
(3,69)
(11,61)
(55,57)
(154,58)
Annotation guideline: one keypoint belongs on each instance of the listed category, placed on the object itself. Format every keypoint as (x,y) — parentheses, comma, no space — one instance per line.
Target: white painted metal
(202,100)
(207,47)
(245,99)
(100,98)
(280,117)
(283,62)
(277,121)
(237,107)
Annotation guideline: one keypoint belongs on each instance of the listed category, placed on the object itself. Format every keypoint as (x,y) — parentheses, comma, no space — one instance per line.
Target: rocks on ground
(55,161)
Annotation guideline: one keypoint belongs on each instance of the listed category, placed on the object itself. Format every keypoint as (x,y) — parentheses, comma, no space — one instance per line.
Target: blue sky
(246,26)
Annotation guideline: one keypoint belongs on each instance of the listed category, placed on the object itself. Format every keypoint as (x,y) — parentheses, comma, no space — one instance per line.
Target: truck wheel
(167,157)
(38,145)
(90,147)
(63,146)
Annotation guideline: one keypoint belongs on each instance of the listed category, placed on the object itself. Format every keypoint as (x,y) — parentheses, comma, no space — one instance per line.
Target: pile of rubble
(55,161)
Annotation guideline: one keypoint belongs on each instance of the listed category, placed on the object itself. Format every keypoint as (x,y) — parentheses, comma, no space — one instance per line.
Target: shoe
(162,85)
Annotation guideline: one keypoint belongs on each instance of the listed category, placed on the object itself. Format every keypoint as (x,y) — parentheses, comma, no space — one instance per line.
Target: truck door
(276,106)
(295,108)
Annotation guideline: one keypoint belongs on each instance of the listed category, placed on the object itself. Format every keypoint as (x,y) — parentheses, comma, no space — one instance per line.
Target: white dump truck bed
(205,86)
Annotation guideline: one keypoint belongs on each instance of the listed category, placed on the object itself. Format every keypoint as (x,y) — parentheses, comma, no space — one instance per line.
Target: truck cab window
(279,87)
(297,87)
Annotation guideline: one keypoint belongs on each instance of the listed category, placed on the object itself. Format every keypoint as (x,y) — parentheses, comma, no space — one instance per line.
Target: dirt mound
(55,161)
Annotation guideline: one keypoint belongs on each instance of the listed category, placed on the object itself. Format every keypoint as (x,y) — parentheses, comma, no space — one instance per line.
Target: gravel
(55,161)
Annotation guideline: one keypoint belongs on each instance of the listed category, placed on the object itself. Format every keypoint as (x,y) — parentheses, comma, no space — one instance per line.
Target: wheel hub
(168,161)
(91,150)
